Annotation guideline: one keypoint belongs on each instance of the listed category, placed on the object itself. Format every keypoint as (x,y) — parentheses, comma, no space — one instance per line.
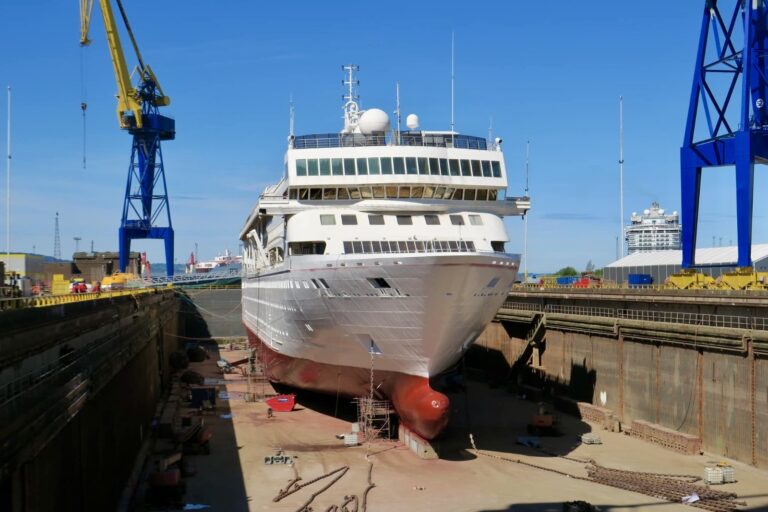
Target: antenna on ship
(290,122)
(453,80)
(397,113)
(490,130)
(351,107)
(621,173)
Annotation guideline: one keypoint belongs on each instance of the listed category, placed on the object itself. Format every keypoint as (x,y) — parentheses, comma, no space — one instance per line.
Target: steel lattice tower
(56,239)
(730,87)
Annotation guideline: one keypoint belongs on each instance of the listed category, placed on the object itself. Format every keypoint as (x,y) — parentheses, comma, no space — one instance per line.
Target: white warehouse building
(661,264)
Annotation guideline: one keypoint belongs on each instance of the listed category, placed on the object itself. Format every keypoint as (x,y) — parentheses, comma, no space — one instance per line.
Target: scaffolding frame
(374,418)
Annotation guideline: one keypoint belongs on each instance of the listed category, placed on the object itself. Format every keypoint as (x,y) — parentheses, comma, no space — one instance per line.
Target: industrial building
(712,261)
(24,264)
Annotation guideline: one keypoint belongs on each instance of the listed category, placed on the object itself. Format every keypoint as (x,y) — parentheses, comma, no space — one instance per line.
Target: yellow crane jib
(130,98)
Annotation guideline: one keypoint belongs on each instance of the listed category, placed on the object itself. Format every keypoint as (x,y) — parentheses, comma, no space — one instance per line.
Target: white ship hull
(327,312)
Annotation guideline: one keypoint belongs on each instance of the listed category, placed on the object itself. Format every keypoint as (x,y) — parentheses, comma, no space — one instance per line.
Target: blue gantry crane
(730,87)
(146,193)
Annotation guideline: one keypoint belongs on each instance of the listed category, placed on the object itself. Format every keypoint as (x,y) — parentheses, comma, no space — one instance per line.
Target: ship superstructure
(654,230)
(377,260)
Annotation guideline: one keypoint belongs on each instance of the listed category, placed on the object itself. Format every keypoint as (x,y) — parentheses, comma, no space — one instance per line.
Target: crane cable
(83,98)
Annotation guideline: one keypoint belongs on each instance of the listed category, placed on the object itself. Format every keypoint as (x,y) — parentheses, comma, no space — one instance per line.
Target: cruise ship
(654,230)
(377,259)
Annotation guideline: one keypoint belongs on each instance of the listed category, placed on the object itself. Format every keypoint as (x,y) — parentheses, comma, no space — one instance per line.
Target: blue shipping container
(640,279)
(566,280)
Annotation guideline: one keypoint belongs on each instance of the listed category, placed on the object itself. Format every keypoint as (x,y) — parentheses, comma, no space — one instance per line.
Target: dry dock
(501,475)
(82,382)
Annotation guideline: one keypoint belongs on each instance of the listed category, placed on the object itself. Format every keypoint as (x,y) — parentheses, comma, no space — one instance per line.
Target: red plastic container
(282,403)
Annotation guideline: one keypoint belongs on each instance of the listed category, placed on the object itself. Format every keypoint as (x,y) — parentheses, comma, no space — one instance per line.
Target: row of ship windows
(397,165)
(409,246)
(402,220)
(391,192)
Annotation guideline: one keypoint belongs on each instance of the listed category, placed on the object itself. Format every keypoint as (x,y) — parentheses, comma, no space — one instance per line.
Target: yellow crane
(129,97)
(146,195)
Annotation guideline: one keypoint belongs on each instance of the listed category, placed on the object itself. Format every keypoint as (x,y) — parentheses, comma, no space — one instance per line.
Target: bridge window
(362,166)
(404,192)
(392,191)
(423,166)
(429,192)
(373,166)
(466,168)
(325,167)
(444,166)
(349,166)
(492,195)
(399,164)
(365,192)
(496,166)
(482,195)
(329,194)
(410,165)
(469,194)
(454,167)
(432,220)
(343,194)
(476,220)
(448,193)
(303,194)
(476,169)
(417,192)
(457,220)
(337,167)
(349,220)
(292,194)
(315,194)
(434,166)
(327,220)
(458,194)
(312,167)
(301,167)
(486,168)
(404,220)
(386,165)
(497,246)
(378,192)
(354,193)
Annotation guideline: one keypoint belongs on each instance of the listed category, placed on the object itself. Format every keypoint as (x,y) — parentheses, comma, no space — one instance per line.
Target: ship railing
(417,139)
(672,317)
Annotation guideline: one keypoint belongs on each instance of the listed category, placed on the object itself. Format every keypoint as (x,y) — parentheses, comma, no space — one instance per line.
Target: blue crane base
(727,121)
(741,150)
(128,234)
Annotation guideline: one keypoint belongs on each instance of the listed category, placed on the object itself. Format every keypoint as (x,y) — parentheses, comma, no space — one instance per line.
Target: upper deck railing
(417,139)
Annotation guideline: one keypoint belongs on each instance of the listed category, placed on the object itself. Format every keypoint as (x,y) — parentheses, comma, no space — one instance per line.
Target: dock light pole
(621,176)
(8,186)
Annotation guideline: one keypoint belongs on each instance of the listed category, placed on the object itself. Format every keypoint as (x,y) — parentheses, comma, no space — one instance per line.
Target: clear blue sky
(549,73)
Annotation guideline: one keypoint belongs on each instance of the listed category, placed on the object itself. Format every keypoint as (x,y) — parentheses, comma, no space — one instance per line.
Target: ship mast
(351,108)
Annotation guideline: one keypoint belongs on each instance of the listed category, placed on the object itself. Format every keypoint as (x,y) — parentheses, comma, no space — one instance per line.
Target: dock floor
(234,477)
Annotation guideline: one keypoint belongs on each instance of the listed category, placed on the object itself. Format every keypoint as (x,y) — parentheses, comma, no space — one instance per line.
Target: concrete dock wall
(707,381)
(71,432)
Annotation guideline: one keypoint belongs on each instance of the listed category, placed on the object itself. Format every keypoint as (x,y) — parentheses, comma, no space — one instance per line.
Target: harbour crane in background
(736,131)
(146,194)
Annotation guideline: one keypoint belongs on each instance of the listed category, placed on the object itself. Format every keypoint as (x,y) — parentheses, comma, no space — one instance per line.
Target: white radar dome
(647,212)
(412,121)
(661,211)
(372,121)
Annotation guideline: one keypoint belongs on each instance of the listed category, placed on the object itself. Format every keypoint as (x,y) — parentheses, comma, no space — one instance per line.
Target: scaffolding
(374,418)
(258,387)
